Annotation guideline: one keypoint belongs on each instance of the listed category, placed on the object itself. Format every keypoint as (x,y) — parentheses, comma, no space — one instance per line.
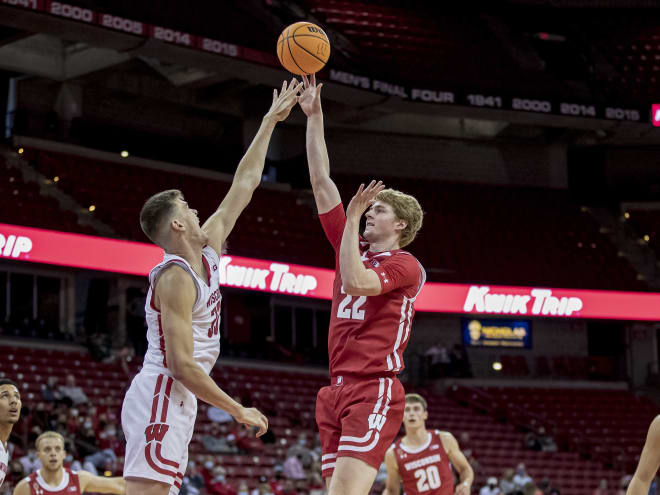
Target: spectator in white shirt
(73,392)
(491,487)
(521,478)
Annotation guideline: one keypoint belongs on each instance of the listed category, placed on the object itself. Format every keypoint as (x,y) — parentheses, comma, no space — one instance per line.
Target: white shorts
(158,418)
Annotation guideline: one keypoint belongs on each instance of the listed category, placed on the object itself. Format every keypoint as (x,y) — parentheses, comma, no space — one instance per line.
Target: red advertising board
(655,114)
(99,253)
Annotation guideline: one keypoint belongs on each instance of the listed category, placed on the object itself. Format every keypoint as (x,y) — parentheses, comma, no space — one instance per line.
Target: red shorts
(358,418)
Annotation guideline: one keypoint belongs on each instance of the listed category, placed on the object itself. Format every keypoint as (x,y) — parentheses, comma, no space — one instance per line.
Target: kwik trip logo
(277,278)
(538,302)
(13,246)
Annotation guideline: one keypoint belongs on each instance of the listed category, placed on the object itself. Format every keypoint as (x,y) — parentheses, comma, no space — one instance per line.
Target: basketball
(303,48)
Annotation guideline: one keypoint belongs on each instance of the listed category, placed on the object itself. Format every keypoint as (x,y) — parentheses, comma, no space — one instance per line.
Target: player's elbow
(361,288)
(353,287)
(319,177)
(248,180)
(180,368)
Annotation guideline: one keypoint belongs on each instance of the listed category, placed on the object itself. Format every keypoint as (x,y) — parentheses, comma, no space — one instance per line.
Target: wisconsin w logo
(156,431)
(376,421)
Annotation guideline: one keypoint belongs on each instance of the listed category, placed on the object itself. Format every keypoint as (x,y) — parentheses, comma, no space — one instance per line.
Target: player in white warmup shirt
(183,317)
(10,411)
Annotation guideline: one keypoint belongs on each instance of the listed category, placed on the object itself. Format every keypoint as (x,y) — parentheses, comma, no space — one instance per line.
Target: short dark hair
(7,381)
(155,210)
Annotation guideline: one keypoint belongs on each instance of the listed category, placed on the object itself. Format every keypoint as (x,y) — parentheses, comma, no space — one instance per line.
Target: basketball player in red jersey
(10,412)
(54,479)
(183,319)
(649,462)
(422,459)
(376,284)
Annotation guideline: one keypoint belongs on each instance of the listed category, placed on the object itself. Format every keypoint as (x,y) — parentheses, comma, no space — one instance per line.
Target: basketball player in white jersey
(183,318)
(649,462)
(10,411)
(54,479)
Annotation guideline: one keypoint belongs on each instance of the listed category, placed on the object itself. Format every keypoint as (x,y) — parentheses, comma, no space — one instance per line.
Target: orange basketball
(303,48)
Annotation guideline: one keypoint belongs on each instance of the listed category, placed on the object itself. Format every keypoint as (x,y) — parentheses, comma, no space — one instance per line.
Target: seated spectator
(263,488)
(218,415)
(193,482)
(507,485)
(73,392)
(218,484)
(293,468)
(301,451)
(49,391)
(545,485)
(214,441)
(289,488)
(546,442)
(531,489)
(602,488)
(30,462)
(490,488)
(245,439)
(531,441)
(521,478)
(242,489)
(439,361)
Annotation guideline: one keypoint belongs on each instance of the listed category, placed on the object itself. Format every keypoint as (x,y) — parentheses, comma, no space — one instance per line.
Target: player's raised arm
(460,463)
(251,167)
(358,280)
(649,462)
(325,190)
(101,484)
(176,293)
(393,482)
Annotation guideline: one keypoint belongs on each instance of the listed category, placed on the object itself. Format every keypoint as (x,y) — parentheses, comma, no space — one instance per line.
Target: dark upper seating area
(472,233)
(647,222)
(417,44)
(21,203)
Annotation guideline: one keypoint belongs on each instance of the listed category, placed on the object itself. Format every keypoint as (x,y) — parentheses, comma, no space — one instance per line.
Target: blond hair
(417,399)
(406,208)
(46,435)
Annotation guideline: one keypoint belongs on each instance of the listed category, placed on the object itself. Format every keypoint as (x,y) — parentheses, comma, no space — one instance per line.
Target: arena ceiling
(117,67)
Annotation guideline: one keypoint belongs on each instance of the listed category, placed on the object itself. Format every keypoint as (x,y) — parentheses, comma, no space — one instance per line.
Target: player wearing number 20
(375,287)
(421,460)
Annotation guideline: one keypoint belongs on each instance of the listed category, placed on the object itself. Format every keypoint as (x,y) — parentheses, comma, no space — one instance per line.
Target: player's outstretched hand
(251,416)
(284,101)
(310,99)
(363,198)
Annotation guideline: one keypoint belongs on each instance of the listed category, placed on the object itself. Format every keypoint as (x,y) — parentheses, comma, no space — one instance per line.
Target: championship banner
(515,334)
(134,258)
(441,96)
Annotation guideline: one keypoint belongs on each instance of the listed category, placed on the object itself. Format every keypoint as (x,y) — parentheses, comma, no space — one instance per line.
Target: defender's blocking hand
(284,101)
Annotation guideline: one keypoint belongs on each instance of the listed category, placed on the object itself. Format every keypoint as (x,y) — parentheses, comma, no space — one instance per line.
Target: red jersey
(425,470)
(70,484)
(368,335)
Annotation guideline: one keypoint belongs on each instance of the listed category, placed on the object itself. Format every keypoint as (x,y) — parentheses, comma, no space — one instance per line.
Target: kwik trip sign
(133,258)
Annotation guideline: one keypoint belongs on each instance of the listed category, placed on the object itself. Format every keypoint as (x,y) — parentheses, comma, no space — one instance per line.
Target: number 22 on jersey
(349,311)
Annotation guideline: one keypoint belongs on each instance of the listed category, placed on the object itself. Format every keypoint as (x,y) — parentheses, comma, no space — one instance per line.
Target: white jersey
(4,462)
(205,315)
